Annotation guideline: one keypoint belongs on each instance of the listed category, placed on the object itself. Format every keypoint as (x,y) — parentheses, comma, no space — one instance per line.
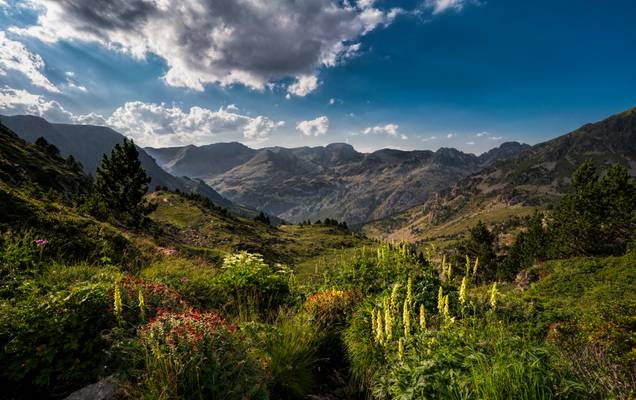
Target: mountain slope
(87,143)
(333,181)
(537,176)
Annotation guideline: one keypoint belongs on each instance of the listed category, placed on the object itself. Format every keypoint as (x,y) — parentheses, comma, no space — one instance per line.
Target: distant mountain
(87,143)
(334,181)
(536,176)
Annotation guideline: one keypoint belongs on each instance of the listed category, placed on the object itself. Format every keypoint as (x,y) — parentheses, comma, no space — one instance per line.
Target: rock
(525,278)
(106,389)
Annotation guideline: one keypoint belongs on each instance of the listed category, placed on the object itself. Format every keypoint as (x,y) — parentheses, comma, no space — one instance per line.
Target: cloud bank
(225,41)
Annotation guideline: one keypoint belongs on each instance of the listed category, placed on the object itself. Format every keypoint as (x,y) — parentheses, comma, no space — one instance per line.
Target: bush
(194,355)
(53,343)
(289,349)
(254,285)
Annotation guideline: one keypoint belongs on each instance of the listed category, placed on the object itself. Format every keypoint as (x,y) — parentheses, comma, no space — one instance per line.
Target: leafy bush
(194,355)
(252,283)
(331,308)
(53,342)
(20,257)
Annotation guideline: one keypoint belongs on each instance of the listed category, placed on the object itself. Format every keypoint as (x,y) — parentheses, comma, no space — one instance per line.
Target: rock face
(334,181)
(106,389)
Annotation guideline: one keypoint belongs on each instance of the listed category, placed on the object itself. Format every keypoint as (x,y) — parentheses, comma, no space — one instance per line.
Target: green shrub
(194,355)
(52,343)
(254,285)
(290,352)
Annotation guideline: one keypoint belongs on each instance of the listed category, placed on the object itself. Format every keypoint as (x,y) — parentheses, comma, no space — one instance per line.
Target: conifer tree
(121,184)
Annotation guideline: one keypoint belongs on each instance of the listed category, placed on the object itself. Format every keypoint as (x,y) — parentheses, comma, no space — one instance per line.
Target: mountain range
(88,143)
(333,181)
(535,177)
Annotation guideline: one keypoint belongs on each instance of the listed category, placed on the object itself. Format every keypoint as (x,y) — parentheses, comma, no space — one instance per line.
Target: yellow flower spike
(467,265)
(118,307)
(401,349)
(380,332)
(142,305)
(388,323)
(444,266)
(440,301)
(409,291)
(449,272)
(446,312)
(406,318)
(394,297)
(493,296)
(422,317)
(462,291)
(475,266)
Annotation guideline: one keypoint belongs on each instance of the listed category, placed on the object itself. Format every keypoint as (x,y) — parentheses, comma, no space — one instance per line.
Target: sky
(413,74)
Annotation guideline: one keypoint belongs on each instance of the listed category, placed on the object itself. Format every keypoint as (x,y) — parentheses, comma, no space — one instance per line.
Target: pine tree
(121,184)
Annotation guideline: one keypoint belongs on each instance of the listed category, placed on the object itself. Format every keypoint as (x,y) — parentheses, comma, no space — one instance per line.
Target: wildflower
(467,265)
(475,266)
(401,349)
(380,330)
(422,317)
(493,296)
(440,300)
(142,305)
(118,304)
(394,297)
(444,266)
(406,317)
(388,323)
(462,291)
(409,292)
(449,272)
(41,242)
(446,312)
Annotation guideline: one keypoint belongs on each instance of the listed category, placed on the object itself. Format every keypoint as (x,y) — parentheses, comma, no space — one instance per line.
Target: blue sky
(409,74)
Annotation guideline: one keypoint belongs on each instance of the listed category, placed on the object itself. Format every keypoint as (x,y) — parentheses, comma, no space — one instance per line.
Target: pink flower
(41,242)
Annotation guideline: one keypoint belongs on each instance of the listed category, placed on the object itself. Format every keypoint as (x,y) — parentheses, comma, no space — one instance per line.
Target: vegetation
(197,303)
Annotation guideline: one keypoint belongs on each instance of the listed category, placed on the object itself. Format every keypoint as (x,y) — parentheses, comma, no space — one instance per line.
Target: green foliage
(480,244)
(52,341)
(194,355)
(121,184)
(597,217)
(254,285)
(289,349)
(529,247)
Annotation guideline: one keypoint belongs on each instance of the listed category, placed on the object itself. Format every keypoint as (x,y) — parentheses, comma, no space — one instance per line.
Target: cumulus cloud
(149,124)
(303,86)
(388,129)
(489,136)
(18,101)
(440,6)
(165,125)
(14,56)
(450,135)
(225,42)
(314,127)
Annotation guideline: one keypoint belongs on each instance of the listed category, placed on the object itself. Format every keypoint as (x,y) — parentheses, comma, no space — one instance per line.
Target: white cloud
(332,101)
(428,139)
(232,107)
(495,137)
(450,135)
(149,124)
(481,134)
(14,56)
(225,42)
(304,85)
(164,125)
(470,143)
(440,6)
(388,129)
(18,101)
(314,127)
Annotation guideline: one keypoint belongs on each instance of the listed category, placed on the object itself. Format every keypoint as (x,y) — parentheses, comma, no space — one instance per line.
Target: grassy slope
(188,224)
